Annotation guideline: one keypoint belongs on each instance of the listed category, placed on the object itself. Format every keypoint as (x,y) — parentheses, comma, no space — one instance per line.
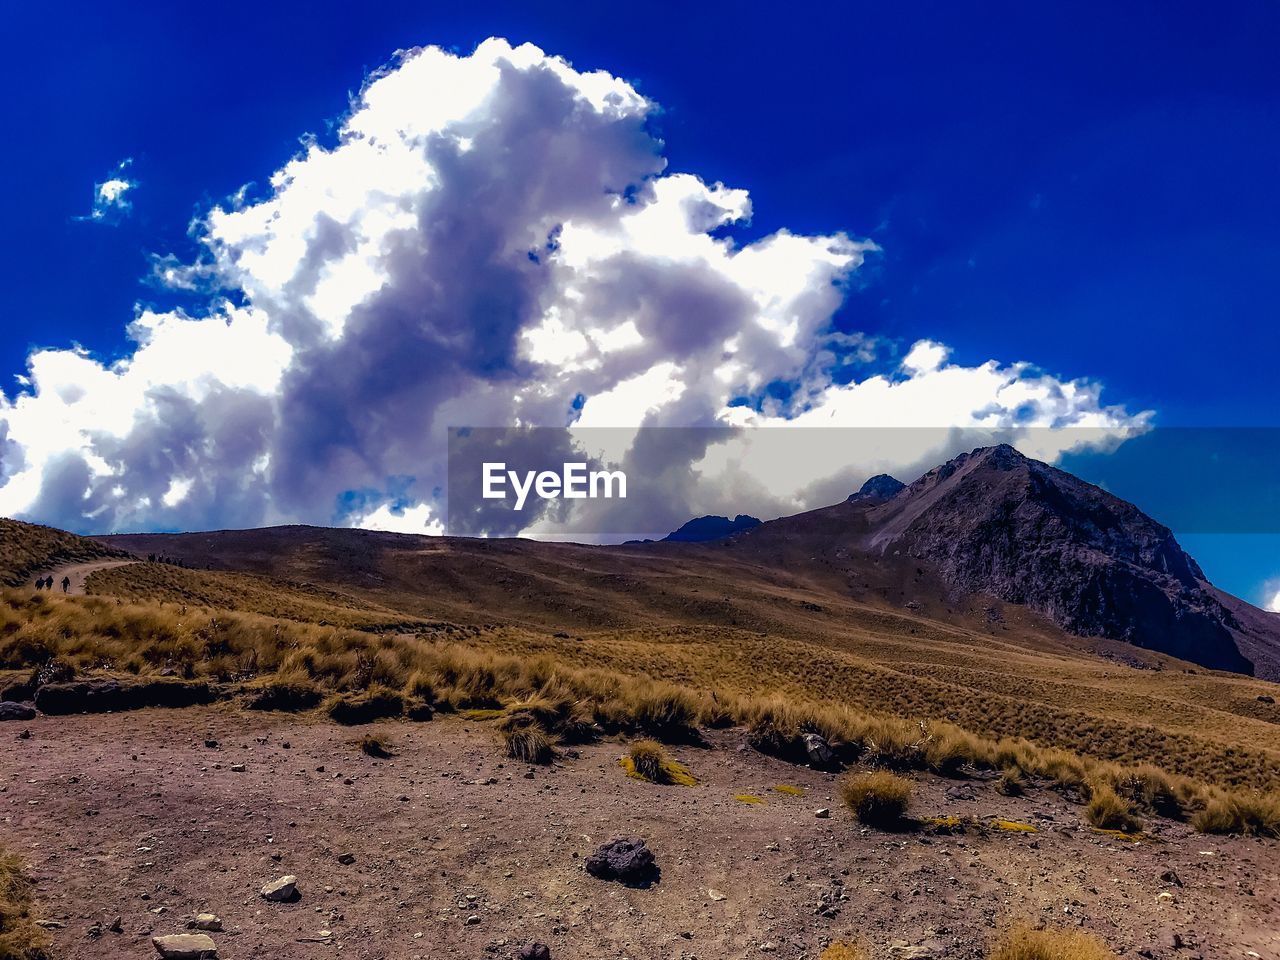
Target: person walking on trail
(66,584)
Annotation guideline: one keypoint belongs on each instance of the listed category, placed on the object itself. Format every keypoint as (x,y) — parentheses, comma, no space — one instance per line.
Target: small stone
(822,813)
(207,921)
(716,895)
(185,946)
(346,859)
(535,951)
(282,890)
(472,920)
(237,768)
(211,744)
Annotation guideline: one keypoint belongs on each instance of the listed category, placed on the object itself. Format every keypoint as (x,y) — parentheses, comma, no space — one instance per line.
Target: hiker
(66,584)
(40,583)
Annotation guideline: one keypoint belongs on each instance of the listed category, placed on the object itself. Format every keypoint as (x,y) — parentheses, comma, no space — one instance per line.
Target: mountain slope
(28,547)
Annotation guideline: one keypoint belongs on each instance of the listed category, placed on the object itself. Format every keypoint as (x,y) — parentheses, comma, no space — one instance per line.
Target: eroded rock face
(186,946)
(622,858)
(996,522)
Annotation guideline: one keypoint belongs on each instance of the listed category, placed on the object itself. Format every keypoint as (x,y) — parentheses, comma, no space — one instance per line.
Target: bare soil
(134,816)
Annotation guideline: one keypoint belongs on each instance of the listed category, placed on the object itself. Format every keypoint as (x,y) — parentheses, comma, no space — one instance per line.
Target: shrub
(844,951)
(529,745)
(1107,811)
(20,938)
(878,799)
(373,704)
(1024,943)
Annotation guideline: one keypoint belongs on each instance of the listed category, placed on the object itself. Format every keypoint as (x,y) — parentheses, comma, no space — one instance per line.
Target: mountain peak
(880,487)
(997,522)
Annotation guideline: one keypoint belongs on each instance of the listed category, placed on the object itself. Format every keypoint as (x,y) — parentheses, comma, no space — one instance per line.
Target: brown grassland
(548,696)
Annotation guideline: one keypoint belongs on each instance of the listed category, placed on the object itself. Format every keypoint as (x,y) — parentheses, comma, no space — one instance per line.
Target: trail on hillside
(78,573)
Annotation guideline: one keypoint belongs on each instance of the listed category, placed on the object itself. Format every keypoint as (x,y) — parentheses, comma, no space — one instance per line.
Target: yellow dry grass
(1025,943)
(20,938)
(582,686)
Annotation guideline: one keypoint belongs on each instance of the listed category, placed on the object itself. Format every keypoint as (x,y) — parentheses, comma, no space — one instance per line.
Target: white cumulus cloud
(491,239)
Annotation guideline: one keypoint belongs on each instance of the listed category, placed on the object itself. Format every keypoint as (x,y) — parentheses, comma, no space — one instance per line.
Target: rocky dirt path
(78,573)
(446,850)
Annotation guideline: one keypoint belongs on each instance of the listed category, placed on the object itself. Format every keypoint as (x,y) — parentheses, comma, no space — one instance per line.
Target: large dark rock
(535,951)
(623,858)
(101,696)
(16,711)
(996,522)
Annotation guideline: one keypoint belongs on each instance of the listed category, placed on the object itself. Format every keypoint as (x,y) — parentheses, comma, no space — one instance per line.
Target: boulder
(206,921)
(817,750)
(622,858)
(534,951)
(16,711)
(281,891)
(186,946)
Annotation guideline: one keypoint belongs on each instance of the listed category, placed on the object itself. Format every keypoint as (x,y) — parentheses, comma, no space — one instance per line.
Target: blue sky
(1092,189)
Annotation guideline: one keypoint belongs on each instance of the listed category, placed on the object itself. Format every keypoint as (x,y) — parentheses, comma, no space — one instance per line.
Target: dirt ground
(460,853)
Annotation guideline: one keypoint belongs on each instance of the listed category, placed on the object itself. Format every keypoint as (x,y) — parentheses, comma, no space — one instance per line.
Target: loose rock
(186,946)
(282,890)
(622,858)
(16,711)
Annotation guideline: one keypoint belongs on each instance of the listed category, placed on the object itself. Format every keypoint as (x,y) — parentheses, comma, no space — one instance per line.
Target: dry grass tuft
(1024,943)
(529,745)
(1107,811)
(1252,814)
(647,760)
(844,951)
(372,745)
(20,938)
(878,799)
